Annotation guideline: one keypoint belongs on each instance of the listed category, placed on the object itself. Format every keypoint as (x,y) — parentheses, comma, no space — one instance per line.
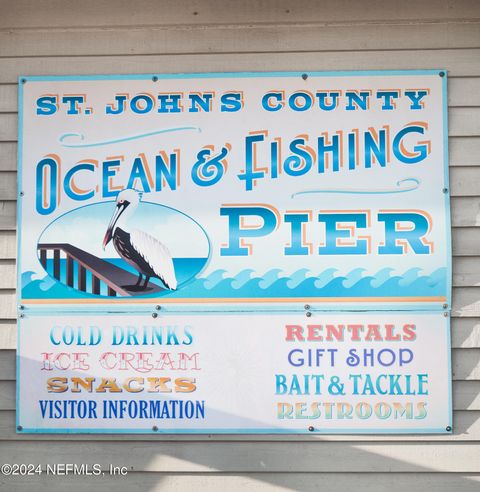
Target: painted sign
(231,373)
(326,188)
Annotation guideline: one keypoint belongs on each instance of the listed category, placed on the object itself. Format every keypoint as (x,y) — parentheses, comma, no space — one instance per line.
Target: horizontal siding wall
(47,37)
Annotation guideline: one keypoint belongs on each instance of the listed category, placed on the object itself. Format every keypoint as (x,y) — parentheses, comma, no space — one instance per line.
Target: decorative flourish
(402,186)
(66,136)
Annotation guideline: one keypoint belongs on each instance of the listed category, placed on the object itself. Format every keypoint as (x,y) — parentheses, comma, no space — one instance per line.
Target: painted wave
(276,283)
(328,283)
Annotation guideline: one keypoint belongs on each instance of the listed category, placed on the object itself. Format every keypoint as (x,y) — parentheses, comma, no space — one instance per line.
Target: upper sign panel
(249,188)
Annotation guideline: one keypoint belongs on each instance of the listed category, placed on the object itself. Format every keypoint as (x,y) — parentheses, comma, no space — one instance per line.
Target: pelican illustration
(145,253)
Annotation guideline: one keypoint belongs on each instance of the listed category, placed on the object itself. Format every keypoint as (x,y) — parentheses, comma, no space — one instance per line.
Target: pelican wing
(156,254)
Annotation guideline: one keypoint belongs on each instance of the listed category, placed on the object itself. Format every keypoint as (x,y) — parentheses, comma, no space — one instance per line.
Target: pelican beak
(107,238)
(116,215)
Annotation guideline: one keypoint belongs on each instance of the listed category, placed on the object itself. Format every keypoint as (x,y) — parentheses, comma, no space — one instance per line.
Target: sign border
(253,308)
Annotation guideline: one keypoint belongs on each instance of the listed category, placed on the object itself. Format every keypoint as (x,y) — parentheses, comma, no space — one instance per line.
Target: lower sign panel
(235,373)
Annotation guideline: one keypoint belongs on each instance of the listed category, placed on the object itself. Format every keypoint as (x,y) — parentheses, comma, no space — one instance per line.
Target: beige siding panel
(251,482)
(463,122)
(8,335)
(466,427)
(8,184)
(8,245)
(8,156)
(7,395)
(464,151)
(465,181)
(466,271)
(466,364)
(8,126)
(466,302)
(465,332)
(8,98)
(465,241)
(7,275)
(466,395)
(7,365)
(465,212)
(8,216)
(51,13)
(464,91)
(244,457)
(7,305)
(228,39)
(457,62)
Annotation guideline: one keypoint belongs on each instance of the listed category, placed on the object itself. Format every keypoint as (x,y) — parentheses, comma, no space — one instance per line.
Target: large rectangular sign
(212,189)
(350,372)
(225,373)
